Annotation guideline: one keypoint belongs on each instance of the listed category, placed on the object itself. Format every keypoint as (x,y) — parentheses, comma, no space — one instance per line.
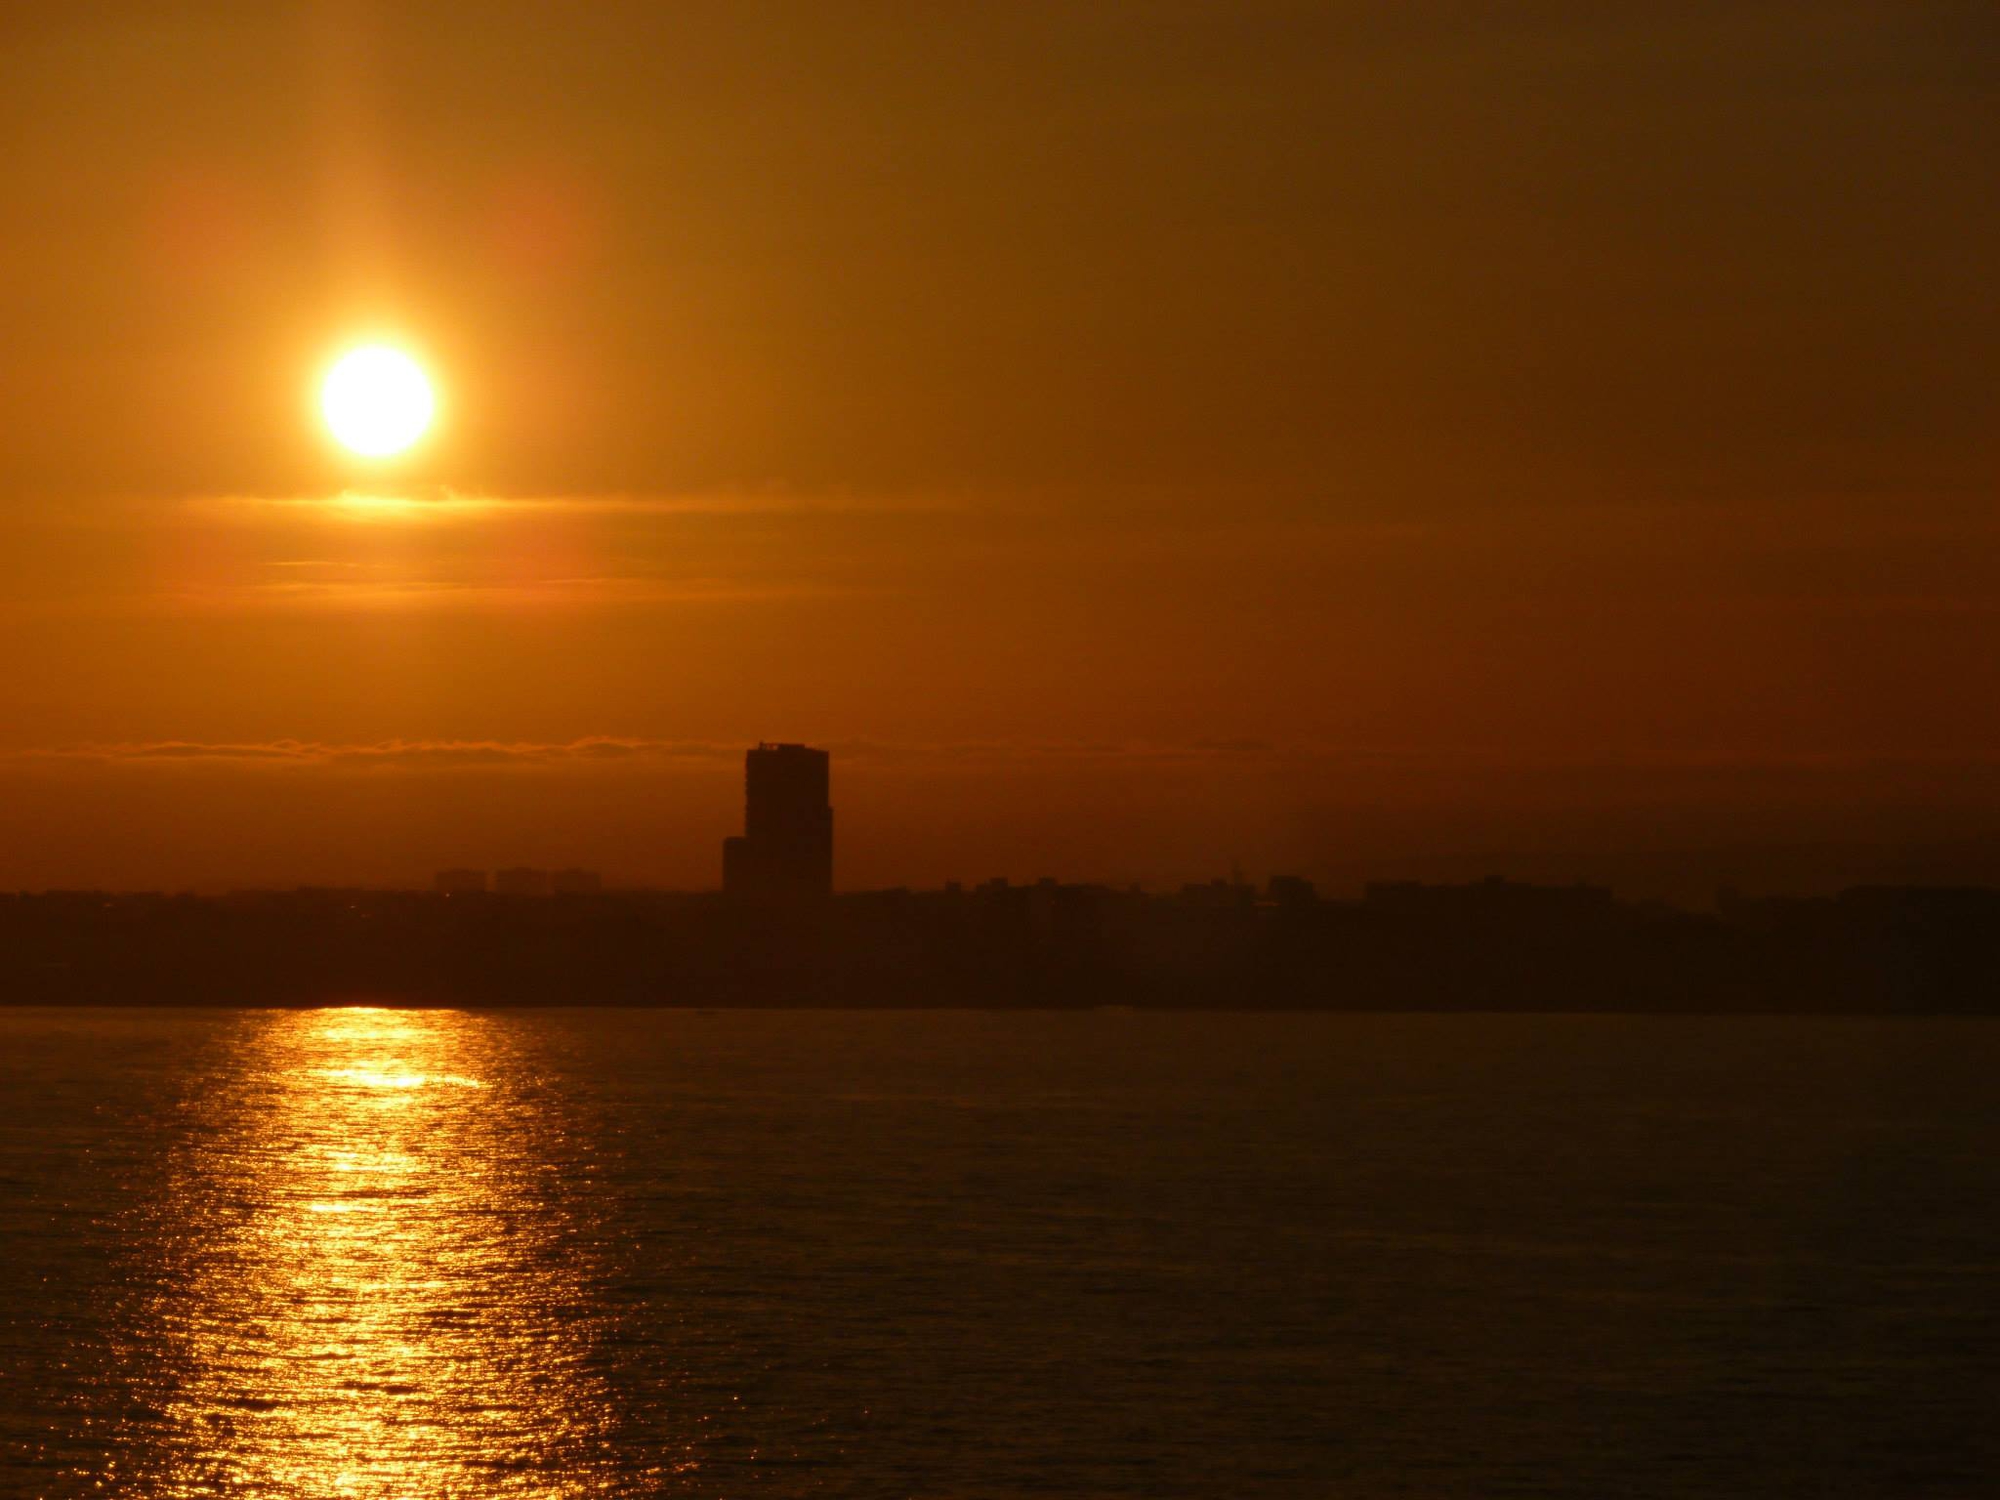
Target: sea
(363,1252)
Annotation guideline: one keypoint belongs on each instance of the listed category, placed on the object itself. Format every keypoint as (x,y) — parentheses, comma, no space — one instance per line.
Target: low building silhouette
(521,881)
(1490,946)
(460,883)
(576,883)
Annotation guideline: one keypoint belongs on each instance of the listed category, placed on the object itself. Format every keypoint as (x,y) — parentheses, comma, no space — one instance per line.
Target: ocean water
(365,1253)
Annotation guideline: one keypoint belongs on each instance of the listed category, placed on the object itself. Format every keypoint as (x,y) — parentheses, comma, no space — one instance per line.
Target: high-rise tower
(786,849)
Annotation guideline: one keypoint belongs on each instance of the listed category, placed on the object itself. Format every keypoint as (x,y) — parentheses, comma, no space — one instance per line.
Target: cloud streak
(395,754)
(633,752)
(611,750)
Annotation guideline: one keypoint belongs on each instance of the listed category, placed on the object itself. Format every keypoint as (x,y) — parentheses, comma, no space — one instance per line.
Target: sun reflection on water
(376,1288)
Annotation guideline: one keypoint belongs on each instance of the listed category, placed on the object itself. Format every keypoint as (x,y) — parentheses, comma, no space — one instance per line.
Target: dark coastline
(1493,946)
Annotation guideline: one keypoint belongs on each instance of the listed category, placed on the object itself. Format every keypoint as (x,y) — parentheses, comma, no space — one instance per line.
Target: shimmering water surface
(392,1253)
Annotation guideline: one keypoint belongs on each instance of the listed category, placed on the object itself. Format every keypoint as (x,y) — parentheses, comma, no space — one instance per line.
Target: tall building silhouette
(786,848)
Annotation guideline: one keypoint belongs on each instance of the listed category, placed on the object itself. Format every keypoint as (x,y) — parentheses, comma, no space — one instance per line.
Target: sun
(377,401)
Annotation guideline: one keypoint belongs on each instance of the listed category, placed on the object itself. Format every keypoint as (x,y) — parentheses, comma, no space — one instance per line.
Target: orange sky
(1335,437)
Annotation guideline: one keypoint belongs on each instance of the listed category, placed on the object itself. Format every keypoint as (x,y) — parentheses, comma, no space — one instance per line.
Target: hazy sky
(1134,436)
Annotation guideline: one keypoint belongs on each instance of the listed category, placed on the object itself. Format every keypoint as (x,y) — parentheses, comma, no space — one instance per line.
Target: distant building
(1490,899)
(460,883)
(786,849)
(1290,892)
(576,883)
(521,881)
(1220,894)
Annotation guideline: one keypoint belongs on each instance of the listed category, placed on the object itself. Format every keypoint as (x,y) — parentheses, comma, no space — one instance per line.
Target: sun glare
(377,401)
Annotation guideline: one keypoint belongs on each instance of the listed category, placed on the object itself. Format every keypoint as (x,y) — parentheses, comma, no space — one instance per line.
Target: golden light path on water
(374,1288)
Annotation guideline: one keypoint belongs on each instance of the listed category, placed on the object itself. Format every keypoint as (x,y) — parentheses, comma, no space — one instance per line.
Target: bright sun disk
(377,401)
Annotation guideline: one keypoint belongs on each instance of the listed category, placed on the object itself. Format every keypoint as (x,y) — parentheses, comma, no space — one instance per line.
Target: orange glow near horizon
(1338,438)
